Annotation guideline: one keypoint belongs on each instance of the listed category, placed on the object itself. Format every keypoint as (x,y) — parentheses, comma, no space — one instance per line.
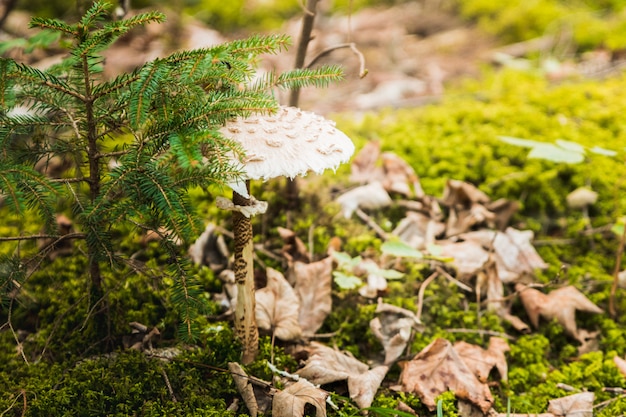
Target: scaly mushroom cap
(289,143)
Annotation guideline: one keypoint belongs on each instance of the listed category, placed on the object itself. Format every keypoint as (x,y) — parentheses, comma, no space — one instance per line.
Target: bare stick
(169,385)
(362,70)
(420,293)
(303,44)
(371,223)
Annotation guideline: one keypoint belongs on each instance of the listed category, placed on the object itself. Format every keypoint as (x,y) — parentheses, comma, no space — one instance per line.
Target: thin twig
(453,280)
(362,70)
(44,236)
(168,385)
(371,223)
(420,293)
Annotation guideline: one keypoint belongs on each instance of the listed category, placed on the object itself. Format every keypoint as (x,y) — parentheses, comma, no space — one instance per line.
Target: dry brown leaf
(291,401)
(278,307)
(561,304)
(418,230)
(294,248)
(400,176)
(621,364)
(589,341)
(370,196)
(393,326)
(503,210)
(526,415)
(482,361)
(463,193)
(439,368)
(515,255)
(326,365)
(363,387)
(254,392)
(576,405)
(210,249)
(363,167)
(313,284)
(468,257)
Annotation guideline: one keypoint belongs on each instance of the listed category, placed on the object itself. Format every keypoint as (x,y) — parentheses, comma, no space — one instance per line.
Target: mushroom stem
(245,320)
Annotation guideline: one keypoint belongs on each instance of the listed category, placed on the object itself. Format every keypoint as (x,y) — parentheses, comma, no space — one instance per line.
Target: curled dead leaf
(278,307)
(393,326)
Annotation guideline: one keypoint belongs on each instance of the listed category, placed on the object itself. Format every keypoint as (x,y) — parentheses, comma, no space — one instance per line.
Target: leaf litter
(465,232)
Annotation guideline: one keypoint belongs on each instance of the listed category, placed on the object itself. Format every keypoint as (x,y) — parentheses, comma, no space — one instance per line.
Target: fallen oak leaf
(291,401)
(438,368)
(482,361)
(278,308)
(561,304)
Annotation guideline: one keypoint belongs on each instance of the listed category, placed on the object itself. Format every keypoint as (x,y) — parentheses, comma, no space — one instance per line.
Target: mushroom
(289,143)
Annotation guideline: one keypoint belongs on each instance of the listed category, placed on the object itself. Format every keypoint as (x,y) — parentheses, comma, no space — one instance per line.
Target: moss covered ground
(52,365)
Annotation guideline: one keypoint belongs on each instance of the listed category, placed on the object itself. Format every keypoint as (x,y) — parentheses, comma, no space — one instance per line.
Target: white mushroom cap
(581,197)
(289,143)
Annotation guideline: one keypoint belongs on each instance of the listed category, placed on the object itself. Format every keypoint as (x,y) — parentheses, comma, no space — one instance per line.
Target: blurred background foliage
(592,24)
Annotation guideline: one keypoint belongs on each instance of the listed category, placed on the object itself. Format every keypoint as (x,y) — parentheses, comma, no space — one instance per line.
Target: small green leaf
(346,282)
(553,153)
(390,274)
(618,228)
(570,146)
(400,249)
(601,151)
(525,143)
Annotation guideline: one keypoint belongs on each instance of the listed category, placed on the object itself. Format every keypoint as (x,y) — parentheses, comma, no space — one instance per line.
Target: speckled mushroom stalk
(289,143)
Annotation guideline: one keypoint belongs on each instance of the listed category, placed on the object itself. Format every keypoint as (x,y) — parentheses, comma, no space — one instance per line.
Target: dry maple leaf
(561,304)
(393,326)
(482,361)
(576,405)
(278,307)
(291,401)
(439,368)
(313,285)
(326,365)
